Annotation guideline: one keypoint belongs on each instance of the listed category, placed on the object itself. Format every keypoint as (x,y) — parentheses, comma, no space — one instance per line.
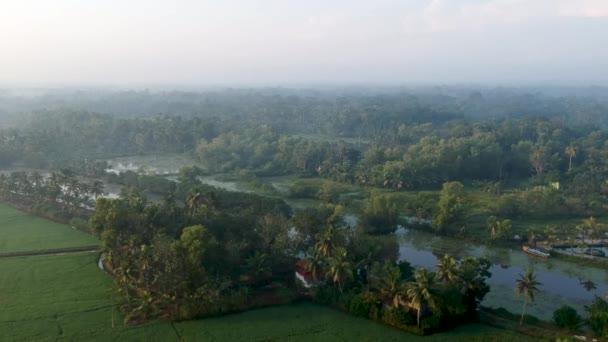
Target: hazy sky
(303,41)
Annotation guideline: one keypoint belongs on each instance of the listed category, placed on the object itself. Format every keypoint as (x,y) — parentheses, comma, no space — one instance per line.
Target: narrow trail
(56,251)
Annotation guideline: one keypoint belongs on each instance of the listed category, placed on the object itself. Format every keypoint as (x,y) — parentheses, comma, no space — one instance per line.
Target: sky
(282,42)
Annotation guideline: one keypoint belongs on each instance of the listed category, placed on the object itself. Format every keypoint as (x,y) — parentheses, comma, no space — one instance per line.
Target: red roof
(302,270)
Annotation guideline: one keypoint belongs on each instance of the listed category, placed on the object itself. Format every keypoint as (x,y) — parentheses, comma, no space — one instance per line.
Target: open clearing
(20,231)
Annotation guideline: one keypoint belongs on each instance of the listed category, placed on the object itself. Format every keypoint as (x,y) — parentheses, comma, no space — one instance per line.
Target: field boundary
(67,250)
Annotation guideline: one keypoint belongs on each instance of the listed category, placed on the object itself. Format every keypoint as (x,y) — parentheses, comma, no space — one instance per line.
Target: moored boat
(535,251)
(595,252)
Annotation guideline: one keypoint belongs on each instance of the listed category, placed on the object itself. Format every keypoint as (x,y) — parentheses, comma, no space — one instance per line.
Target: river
(561,280)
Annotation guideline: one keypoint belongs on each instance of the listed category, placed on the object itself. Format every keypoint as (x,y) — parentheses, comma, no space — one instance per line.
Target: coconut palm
(571,242)
(326,240)
(340,268)
(420,292)
(588,227)
(193,202)
(315,265)
(447,270)
(571,152)
(386,278)
(37,181)
(527,285)
(257,265)
(96,189)
(497,228)
(551,235)
(532,237)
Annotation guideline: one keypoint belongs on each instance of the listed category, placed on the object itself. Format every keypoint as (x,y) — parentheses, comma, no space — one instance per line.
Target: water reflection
(562,281)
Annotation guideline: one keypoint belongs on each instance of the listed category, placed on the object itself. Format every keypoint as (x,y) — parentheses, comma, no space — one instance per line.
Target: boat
(595,252)
(535,251)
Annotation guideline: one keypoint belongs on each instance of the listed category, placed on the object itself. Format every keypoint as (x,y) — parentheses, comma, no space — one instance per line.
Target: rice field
(67,298)
(20,231)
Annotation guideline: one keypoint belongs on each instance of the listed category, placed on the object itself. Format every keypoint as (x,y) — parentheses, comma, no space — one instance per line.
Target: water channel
(563,282)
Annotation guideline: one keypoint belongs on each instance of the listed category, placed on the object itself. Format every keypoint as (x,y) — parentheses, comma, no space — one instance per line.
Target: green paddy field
(20,232)
(66,297)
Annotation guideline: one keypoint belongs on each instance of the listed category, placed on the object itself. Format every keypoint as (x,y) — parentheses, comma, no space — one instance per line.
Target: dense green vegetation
(499,166)
(68,297)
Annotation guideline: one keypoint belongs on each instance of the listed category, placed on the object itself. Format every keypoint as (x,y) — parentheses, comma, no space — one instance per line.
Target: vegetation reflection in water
(563,282)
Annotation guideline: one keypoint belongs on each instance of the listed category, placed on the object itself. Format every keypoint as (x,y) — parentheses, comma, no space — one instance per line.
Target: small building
(303,276)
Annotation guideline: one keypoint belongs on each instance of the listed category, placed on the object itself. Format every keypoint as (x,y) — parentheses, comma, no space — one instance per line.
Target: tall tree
(498,229)
(571,152)
(387,279)
(447,270)
(340,268)
(420,292)
(315,264)
(527,285)
(326,240)
(450,206)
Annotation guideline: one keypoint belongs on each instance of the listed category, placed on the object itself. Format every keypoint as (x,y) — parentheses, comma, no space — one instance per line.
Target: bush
(398,317)
(365,305)
(326,295)
(598,317)
(567,317)
(80,224)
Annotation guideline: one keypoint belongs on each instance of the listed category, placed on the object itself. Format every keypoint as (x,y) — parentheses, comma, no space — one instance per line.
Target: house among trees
(303,275)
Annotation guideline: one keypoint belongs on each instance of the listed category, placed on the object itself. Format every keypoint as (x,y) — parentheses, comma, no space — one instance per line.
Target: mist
(139,43)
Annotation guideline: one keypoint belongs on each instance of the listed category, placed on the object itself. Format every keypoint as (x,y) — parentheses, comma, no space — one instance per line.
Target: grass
(310,322)
(67,298)
(20,231)
(45,298)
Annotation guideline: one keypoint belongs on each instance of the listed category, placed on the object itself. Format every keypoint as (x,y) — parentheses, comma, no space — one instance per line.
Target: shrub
(398,317)
(364,305)
(567,317)
(598,317)
(327,295)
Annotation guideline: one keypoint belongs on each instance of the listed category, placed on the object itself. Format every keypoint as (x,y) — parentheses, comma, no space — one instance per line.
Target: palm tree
(193,202)
(54,184)
(96,189)
(550,233)
(387,280)
(497,228)
(447,270)
(571,152)
(532,237)
(315,265)
(340,268)
(571,241)
(527,285)
(257,265)
(589,226)
(420,292)
(326,240)
(37,181)
(493,226)
(595,229)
